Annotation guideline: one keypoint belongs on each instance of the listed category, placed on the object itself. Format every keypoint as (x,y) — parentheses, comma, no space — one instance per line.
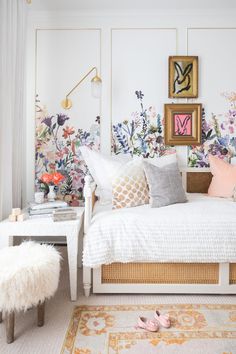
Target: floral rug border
(73,327)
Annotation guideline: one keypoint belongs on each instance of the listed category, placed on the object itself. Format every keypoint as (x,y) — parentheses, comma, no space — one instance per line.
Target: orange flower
(68,131)
(52,178)
(46,178)
(57,178)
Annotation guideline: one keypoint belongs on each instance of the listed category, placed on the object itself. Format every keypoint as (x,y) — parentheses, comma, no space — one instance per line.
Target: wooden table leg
(0,316)
(72,250)
(41,311)
(10,321)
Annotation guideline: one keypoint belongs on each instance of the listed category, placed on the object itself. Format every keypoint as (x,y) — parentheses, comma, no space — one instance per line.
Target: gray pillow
(165,185)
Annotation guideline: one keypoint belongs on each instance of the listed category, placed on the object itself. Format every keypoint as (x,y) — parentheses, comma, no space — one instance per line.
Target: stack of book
(64,214)
(46,209)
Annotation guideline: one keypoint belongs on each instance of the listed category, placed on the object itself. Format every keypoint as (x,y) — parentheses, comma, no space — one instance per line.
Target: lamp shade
(96,86)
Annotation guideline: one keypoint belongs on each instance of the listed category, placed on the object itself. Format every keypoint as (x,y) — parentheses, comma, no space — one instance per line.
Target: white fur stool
(29,274)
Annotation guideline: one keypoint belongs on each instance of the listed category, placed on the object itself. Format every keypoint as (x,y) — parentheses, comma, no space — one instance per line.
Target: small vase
(51,194)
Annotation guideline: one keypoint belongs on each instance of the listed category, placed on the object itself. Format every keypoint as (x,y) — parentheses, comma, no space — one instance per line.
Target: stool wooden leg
(10,320)
(0,316)
(41,310)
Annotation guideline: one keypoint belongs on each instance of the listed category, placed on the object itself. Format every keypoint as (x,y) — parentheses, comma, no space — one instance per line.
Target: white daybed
(182,248)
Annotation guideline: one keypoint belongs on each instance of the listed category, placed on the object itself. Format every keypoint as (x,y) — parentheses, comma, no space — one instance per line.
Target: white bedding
(202,230)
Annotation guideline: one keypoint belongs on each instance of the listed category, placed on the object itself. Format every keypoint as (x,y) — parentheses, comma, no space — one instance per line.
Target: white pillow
(102,168)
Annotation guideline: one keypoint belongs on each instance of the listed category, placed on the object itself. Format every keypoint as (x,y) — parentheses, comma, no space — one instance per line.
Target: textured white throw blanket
(202,230)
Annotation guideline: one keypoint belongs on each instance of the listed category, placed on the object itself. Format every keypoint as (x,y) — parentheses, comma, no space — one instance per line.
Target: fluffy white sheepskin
(29,273)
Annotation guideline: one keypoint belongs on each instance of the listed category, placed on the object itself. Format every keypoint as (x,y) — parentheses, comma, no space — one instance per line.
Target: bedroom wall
(131,50)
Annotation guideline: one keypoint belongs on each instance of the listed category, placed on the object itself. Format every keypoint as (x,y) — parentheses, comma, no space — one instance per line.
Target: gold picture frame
(183,76)
(183,124)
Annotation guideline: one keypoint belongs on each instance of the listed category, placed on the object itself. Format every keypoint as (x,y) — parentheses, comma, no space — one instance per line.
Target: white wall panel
(140,62)
(217,70)
(63,58)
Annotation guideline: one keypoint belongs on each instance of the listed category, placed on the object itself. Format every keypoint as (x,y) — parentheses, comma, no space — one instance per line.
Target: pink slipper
(149,325)
(163,320)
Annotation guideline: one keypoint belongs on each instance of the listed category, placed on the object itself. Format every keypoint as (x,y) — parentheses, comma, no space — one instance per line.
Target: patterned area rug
(208,329)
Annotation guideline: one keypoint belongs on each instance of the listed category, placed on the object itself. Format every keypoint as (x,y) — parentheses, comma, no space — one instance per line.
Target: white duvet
(201,230)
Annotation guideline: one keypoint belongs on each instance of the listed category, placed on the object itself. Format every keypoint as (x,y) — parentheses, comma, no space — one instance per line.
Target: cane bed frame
(205,278)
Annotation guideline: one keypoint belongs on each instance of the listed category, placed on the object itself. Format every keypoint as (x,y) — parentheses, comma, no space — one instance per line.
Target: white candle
(39,197)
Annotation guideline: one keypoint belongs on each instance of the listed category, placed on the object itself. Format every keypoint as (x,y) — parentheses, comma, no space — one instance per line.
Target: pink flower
(76,161)
(52,166)
(60,154)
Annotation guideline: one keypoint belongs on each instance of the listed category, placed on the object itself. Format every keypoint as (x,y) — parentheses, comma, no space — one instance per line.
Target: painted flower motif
(95,323)
(231,97)
(61,119)
(57,151)
(52,166)
(139,95)
(48,121)
(187,319)
(142,135)
(218,135)
(67,131)
(230,122)
(50,155)
(40,110)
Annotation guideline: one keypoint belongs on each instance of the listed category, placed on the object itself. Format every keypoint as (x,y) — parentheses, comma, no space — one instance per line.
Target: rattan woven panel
(232,273)
(198,182)
(160,273)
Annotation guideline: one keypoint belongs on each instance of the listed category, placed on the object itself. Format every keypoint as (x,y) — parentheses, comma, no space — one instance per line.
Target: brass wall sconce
(96,85)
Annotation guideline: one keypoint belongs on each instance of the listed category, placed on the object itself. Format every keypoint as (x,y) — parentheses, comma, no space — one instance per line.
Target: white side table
(45,226)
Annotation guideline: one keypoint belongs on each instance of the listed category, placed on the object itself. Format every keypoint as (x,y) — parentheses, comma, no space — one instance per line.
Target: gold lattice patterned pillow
(129,186)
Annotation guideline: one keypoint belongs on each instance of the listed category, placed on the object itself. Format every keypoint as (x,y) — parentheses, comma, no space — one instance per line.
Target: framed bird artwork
(183,124)
(183,77)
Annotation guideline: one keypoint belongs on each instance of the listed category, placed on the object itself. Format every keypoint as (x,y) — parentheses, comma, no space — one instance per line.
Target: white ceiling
(72,5)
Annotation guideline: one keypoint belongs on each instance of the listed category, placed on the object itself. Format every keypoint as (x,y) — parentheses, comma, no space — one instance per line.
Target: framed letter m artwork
(183,124)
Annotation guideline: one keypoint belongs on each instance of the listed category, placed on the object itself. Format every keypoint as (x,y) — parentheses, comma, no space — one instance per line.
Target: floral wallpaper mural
(58,142)
(57,149)
(218,136)
(142,135)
